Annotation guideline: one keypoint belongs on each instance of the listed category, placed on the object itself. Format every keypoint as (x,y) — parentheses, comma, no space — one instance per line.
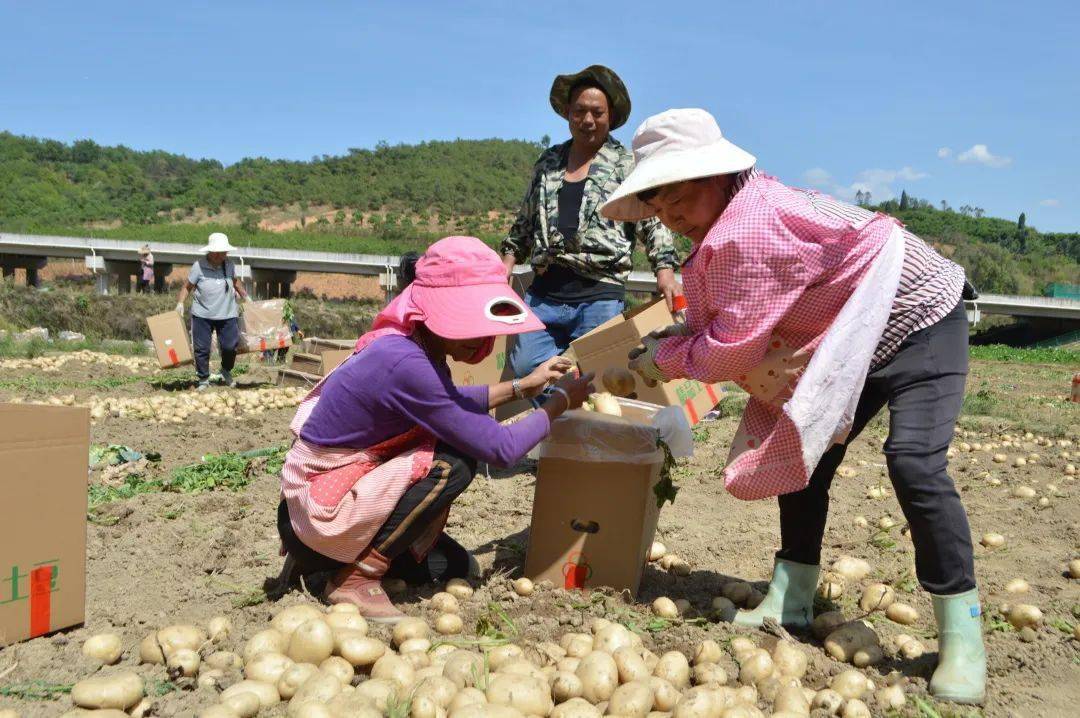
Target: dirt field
(164,558)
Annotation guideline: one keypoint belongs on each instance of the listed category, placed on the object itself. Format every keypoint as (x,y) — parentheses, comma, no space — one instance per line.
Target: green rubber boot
(960,675)
(790,599)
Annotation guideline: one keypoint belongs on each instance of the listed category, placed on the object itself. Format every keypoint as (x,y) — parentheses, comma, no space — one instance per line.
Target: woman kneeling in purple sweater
(386,442)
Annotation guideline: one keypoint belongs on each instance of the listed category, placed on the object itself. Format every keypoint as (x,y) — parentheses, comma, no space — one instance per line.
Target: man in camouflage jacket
(581,260)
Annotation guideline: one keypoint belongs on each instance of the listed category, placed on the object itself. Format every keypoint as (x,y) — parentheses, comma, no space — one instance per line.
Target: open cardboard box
(44,451)
(608,345)
(594,511)
(495,368)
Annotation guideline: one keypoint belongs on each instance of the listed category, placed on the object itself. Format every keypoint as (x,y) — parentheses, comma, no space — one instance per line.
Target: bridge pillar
(123,271)
(161,271)
(271,283)
(29,263)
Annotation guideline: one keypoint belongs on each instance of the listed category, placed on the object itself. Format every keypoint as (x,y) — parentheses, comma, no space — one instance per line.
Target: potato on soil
(523,587)
(633,700)
(341,621)
(320,688)
(851,569)
(709,674)
(664,607)
(266,693)
(120,691)
(708,651)
(657,551)
(408,628)
(843,643)
(877,597)
(311,642)
(339,668)
(394,668)
(269,640)
(850,684)
(529,695)
(459,588)
(293,677)
(902,613)
(1024,615)
(245,705)
(183,662)
(449,624)
(755,667)
(576,708)
(790,660)
(224,661)
(577,645)
(105,647)
(464,667)
(358,649)
(673,668)
(289,619)
(599,676)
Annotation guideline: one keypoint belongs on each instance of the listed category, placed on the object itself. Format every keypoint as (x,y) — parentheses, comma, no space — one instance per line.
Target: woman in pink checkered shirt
(825,313)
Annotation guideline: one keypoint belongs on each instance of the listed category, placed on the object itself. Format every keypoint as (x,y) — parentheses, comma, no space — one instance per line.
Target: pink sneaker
(349,585)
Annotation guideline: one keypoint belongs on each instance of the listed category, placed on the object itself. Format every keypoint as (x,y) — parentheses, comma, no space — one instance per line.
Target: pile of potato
(55,363)
(175,408)
(329,663)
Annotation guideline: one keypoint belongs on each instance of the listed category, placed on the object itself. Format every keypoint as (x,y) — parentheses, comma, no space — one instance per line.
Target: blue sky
(975,103)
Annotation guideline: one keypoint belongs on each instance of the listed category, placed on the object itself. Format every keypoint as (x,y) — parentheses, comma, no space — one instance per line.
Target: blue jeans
(228,336)
(564,322)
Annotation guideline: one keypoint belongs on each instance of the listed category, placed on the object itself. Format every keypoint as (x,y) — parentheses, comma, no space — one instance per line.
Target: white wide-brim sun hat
(670,147)
(218,242)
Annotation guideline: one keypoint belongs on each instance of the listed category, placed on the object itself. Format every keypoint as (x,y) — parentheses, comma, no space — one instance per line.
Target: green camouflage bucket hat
(609,82)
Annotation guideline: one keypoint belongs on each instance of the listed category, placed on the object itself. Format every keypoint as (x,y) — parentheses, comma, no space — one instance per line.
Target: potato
(150,651)
(709,674)
(173,638)
(697,703)
(576,645)
(912,649)
(467,696)
(673,668)
(394,668)
(339,668)
(183,662)
(855,708)
(742,646)
(830,590)
(618,381)
(320,688)
(1023,492)
(755,667)
(828,700)
(843,643)
(754,599)
(245,705)
(444,602)
(576,708)
(449,624)
(633,700)
(311,642)
(501,655)
(737,592)
(664,607)
(380,691)
(599,676)
(293,677)
(522,667)
(459,588)
(268,667)
(606,403)
(359,650)
(423,707)
(523,586)
(349,608)
(266,693)
(224,661)
(408,628)
(1025,615)
(631,665)
(724,608)
(851,569)
(340,621)
(890,697)
(825,623)
(529,695)
(567,665)
(464,667)
(790,660)
(902,613)
(105,647)
(266,641)
(992,540)
(708,651)
(790,698)
(353,705)
(611,638)
(665,695)
(210,677)
(289,619)
(1074,568)
(851,684)
(219,628)
(415,644)
(877,597)
(440,653)
(120,690)
(439,689)
(657,551)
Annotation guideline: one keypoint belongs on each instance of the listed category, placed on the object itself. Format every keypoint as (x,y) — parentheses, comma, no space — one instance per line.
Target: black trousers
(923,387)
(228,336)
(451,473)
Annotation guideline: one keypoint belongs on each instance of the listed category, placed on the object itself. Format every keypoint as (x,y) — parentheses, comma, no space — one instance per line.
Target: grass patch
(982,402)
(36,690)
(1003,353)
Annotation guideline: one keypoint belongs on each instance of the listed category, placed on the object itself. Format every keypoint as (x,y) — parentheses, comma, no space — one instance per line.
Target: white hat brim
(719,158)
(211,248)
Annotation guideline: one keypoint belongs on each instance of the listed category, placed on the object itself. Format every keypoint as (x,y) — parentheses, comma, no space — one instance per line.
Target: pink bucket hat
(461,290)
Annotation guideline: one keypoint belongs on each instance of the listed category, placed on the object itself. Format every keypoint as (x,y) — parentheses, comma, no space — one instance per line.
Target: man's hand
(668,286)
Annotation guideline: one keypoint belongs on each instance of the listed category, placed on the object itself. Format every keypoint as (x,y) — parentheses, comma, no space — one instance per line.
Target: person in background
(213,287)
(581,259)
(386,442)
(406,270)
(146,270)
(825,313)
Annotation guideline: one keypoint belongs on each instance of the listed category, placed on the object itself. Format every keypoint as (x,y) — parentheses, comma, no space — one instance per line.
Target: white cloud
(981,154)
(944,153)
(878,182)
(1050,203)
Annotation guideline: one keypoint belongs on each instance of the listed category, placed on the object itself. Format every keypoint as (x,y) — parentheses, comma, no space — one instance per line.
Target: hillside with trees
(393,198)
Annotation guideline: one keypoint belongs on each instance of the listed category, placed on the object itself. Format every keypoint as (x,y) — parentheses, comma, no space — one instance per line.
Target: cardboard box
(594,511)
(43,450)
(493,370)
(170,337)
(332,358)
(607,346)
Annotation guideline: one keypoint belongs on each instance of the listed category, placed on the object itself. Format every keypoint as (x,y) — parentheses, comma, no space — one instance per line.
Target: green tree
(1022,222)
(904,201)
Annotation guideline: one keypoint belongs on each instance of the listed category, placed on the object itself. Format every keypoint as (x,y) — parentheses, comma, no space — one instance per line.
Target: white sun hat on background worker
(214,288)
